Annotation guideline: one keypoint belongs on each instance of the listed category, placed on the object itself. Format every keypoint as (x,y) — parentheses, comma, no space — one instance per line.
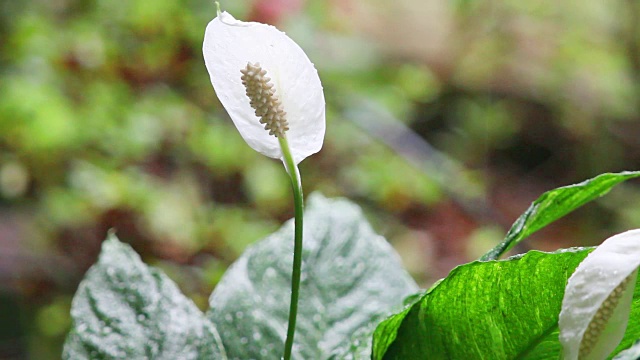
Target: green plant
(348,281)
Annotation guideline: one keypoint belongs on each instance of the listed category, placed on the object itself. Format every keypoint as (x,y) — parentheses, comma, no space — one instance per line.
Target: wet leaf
(501,309)
(504,309)
(555,204)
(351,278)
(126,310)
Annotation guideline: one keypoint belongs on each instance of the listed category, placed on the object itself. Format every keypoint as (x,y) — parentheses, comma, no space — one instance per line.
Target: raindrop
(270,272)
(239,314)
(228,318)
(244,340)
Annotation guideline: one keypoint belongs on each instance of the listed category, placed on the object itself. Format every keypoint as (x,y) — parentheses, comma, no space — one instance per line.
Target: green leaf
(501,309)
(555,204)
(351,278)
(126,310)
(504,309)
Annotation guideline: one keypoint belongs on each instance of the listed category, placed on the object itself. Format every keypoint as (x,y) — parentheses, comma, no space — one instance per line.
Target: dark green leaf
(126,310)
(351,278)
(555,204)
(485,310)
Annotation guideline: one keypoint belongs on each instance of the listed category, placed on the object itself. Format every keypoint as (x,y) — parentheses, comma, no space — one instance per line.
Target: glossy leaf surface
(555,204)
(484,310)
(503,309)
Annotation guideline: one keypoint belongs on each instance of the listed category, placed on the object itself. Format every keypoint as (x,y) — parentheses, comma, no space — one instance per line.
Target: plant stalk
(296,186)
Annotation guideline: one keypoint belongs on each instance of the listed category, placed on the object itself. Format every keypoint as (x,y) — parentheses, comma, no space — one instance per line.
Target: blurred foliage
(108,120)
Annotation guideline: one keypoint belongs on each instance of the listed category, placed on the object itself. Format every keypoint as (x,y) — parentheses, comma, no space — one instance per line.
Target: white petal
(229,44)
(590,285)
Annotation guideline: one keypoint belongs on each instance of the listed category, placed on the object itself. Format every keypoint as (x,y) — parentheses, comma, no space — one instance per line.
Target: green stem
(296,185)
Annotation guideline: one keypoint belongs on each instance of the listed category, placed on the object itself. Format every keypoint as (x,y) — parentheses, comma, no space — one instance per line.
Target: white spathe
(229,44)
(615,260)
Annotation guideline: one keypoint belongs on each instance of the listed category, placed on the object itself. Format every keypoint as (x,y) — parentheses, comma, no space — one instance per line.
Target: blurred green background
(445,119)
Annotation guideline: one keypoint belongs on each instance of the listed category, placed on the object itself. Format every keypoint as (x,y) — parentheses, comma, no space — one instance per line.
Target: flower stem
(296,185)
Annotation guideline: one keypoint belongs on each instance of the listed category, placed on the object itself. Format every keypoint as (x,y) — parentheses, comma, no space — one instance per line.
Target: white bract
(229,46)
(597,299)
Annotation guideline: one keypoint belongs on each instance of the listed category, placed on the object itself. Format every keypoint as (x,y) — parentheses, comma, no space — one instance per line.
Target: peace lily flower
(268,86)
(597,299)
(273,94)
